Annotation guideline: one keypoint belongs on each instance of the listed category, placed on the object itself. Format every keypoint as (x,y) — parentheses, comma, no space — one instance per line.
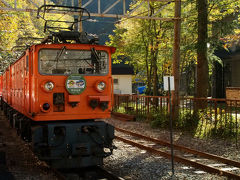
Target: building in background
(226,75)
(122,78)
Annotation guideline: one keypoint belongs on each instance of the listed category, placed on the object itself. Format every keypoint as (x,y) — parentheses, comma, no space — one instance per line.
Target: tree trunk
(148,70)
(202,62)
(148,73)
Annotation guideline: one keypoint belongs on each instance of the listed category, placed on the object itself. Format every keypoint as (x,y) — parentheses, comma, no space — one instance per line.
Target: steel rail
(182,148)
(180,159)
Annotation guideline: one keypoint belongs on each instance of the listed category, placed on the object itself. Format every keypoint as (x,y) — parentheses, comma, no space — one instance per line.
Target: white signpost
(166,80)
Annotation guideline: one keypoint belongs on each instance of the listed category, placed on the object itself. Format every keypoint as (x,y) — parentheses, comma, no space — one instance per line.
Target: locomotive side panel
(33,82)
(9,86)
(14,76)
(14,89)
(18,84)
(22,83)
(21,93)
(27,83)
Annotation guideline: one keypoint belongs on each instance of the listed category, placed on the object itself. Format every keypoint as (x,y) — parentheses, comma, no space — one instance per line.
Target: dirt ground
(16,159)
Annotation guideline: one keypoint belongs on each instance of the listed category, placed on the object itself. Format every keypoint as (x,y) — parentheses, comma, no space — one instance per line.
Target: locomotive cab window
(65,62)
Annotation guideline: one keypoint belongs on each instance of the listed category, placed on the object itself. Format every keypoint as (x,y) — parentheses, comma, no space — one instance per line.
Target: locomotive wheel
(5,108)
(17,122)
(8,112)
(19,127)
(10,116)
(1,104)
(25,131)
(16,117)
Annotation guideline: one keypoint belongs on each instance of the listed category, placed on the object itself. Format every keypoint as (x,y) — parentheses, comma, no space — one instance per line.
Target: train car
(54,94)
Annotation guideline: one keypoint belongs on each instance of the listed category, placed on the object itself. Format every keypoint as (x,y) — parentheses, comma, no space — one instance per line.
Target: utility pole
(176,59)
(80,28)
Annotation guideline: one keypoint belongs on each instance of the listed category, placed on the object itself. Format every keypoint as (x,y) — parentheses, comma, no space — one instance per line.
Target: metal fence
(204,116)
(140,106)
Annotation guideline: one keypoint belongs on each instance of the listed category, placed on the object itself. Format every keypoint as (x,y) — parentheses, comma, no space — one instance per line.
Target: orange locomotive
(54,92)
(43,83)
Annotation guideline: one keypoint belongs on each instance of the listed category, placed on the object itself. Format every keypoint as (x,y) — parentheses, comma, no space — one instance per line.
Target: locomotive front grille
(58,102)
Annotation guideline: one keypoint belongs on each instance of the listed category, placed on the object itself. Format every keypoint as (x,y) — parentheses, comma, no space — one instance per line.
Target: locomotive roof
(76,45)
(70,37)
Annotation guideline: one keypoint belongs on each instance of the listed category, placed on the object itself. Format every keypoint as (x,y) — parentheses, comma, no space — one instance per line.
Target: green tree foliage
(18,24)
(14,25)
(149,42)
(17,28)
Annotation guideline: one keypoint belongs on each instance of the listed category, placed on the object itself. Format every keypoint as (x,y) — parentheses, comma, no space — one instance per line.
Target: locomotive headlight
(48,86)
(101,86)
(45,107)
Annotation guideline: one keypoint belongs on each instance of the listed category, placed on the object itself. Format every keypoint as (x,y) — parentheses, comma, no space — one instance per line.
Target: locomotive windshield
(65,61)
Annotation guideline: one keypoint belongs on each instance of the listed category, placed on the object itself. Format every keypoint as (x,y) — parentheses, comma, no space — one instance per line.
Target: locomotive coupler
(111,148)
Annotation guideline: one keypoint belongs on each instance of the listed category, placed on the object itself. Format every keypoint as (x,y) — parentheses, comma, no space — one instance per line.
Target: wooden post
(176,59)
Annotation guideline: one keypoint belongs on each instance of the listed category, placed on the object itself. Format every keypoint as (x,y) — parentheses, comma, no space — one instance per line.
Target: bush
(227,129)
(160,120)
(188,120)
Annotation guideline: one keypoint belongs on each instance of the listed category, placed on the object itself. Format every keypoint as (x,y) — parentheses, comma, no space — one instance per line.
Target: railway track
(200,160)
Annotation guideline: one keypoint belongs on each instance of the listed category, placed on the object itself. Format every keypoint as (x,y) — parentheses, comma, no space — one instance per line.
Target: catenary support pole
(176,59)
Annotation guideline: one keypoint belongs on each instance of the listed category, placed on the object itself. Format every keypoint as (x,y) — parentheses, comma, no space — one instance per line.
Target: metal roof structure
(122,69)
(100,12)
